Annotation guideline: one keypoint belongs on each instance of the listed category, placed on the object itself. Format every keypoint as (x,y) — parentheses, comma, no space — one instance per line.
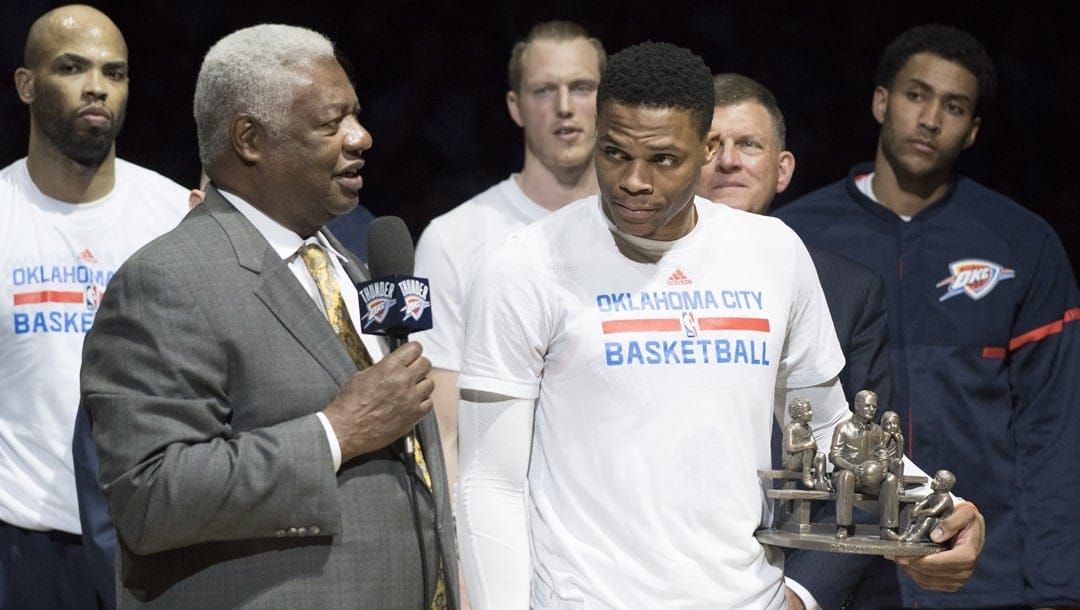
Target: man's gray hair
(252,71)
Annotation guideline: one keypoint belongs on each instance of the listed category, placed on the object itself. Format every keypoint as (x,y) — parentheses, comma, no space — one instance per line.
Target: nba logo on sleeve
(973,276)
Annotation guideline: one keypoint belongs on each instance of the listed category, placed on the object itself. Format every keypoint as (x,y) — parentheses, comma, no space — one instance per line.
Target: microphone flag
(394,305)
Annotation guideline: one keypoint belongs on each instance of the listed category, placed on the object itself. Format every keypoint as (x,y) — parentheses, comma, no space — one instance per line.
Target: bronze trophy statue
(867,462)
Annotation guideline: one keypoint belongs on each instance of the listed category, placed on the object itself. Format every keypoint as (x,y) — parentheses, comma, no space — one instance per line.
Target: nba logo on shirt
(690,324)
(973,276)
(93,297)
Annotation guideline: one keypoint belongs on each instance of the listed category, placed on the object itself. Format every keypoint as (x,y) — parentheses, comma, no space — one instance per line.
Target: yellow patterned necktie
(336,313)
(319,266)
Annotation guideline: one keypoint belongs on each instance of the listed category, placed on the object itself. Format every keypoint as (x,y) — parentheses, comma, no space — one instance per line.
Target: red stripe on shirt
(758,324)
(1042,332)
(647,325)
(673,324)
(48,296)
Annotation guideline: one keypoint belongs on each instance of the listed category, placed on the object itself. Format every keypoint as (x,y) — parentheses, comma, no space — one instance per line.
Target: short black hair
(948,43)
(732,89)
(659,75)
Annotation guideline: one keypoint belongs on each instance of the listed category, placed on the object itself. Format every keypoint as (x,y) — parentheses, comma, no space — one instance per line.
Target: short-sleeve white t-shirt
(55,261)
(654,387)
(452,248)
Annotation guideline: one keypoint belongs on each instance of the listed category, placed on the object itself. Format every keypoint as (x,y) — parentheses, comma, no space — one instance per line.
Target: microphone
(395,302)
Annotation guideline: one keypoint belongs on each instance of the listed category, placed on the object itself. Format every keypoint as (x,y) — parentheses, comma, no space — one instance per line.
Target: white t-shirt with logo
(56,259)
(451,250)
(655,388)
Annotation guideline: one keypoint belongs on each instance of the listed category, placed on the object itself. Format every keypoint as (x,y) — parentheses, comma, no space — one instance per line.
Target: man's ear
(973,131)
(248,138)
(24,84)
(880,104)
(512,107)
(712,146)
(195,198)
(786,169)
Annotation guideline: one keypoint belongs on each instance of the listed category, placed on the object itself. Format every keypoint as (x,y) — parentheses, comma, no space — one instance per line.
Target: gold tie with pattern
(319,266)
(336,313)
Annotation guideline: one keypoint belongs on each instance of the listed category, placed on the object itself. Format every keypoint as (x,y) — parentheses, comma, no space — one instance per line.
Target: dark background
(432,80)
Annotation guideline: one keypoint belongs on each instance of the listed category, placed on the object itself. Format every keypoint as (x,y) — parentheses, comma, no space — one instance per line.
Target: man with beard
(982,308)
(71,213)
(553,74)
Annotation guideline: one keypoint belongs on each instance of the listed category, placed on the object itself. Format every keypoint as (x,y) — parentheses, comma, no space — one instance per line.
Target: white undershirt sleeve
(331,439)
(807,599)
(495,438)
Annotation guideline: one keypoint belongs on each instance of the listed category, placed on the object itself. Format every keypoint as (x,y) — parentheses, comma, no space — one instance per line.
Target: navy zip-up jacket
(983,314)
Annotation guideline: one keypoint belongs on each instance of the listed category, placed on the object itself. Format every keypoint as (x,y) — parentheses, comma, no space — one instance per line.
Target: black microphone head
(390,247)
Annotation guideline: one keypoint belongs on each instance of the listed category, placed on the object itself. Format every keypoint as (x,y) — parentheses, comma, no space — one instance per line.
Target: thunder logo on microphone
(377,297)
(395,305)
(414,292)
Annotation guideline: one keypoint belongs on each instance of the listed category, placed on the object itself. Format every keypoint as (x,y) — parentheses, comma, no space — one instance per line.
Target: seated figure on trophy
(800,448)
(894,445)
(861,464)
(926,514)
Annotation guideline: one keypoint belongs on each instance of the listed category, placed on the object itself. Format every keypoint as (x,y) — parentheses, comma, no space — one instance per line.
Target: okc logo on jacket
(973,276)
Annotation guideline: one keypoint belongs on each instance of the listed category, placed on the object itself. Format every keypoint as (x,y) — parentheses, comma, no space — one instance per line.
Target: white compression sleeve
(495,439)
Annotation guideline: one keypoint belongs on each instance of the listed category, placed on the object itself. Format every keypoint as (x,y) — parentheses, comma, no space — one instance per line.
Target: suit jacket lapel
(286,299)
(278,289)
(356,269)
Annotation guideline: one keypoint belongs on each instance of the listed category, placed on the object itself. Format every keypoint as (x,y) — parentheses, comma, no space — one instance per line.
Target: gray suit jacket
(203,372)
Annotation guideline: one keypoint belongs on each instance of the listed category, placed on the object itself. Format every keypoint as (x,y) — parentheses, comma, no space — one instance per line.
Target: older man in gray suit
(250,448)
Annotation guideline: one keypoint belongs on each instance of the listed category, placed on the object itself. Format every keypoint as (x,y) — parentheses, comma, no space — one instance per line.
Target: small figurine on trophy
(861,464)
(894,445)
(801,454)
(927,512)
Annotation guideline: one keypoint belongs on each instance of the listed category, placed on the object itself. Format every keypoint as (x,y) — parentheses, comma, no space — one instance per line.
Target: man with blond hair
(553,74)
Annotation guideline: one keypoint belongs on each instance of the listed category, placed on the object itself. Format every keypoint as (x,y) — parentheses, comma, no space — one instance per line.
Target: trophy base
(865,541)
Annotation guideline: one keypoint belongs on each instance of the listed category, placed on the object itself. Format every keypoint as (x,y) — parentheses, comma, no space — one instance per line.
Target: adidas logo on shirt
(678,278)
